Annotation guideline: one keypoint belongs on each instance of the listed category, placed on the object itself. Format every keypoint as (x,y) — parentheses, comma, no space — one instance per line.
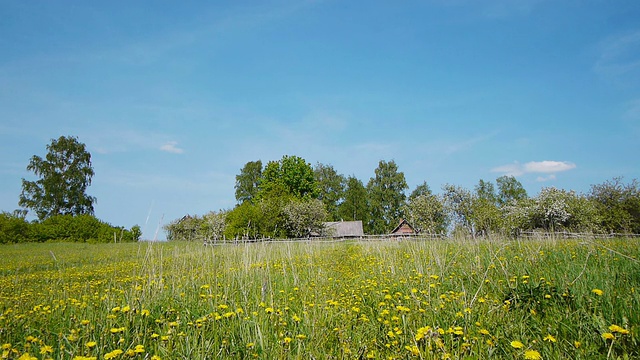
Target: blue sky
(173,98)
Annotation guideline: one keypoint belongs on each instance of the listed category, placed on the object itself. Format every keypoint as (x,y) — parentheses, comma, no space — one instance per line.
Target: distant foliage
(67,228)
(198,228)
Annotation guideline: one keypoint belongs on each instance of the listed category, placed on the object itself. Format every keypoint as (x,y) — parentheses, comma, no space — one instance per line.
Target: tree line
(291,198)
(58,198)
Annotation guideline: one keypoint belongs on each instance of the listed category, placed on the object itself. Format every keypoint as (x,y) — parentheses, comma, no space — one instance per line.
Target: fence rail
(413,237)
(572,235)
(321,239)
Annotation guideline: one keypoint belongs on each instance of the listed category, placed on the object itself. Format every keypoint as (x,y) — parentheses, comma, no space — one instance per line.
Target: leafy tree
(304,217)
(485,214)
(213,225)
(291,174)
(65,173)
(459,204)
(248,180)
(426,212)
(618,205)
(331,187)
(386,196)
(422,189)
(509,190)
(551,211)
(354,206)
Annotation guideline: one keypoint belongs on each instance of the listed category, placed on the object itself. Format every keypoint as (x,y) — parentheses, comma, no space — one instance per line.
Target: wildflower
(46,349)
(532,355)
(155,357)
(155,336)
(84,322)
(301,336)
(517,344)
(130,353)
(112,355)
(287,340)
(577,344)
(139,349)
(26,356)
(618,329)
(145,312)
(413,350)
(250,345)
(549,338)
(484,332)
(91,344)
(597,292)
(608,336)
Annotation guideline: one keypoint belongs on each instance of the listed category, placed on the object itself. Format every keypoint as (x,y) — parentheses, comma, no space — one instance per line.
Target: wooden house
(404,228)
(344,229)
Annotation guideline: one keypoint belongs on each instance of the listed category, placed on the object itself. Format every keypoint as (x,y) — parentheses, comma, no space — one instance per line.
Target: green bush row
(63,228)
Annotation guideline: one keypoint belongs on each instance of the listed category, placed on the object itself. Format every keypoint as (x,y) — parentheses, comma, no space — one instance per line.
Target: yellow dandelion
(597,292)
(550,338)
(517,344)
(46,349)
(26,356)
(91,344)
(532,355)
(608,336)
(618,329)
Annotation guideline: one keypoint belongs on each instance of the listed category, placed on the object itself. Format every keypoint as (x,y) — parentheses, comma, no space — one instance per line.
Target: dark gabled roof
(344,228)
(403,222)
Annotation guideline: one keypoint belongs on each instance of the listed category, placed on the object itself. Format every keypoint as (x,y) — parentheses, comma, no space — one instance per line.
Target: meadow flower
(113,354)
(91,344)
(413,350)
(618,329)
(26,356)
(532,355)
(549,338)
(155,357)
(608,336)
(597,292)
(517,344)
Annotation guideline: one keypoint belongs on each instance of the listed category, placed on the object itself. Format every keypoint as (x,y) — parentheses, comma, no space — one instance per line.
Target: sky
(173,98)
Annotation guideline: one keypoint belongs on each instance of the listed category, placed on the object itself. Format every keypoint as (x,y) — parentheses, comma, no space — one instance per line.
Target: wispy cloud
(620,56)
(540,167)
(172,147)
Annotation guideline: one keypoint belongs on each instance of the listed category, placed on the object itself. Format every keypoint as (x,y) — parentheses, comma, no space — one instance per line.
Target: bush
(65,228)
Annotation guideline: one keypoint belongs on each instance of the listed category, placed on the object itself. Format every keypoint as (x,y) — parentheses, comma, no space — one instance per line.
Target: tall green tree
(65,174)
(459,205)
(355,204)
(485,214)
(509,190)
(291,174)
(331,186)
(248,180)
(425,211)
(386,196)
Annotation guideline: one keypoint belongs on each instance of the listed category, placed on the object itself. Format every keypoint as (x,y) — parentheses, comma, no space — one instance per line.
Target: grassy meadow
(533,299)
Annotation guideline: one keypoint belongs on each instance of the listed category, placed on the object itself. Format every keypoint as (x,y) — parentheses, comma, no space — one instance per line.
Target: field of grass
(534,299)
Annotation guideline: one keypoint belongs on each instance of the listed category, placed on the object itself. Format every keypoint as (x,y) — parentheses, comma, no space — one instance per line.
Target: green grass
(407,299)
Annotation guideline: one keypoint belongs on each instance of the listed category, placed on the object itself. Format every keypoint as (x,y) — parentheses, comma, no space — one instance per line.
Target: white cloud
(545,178)
(543,167)
(172,147)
